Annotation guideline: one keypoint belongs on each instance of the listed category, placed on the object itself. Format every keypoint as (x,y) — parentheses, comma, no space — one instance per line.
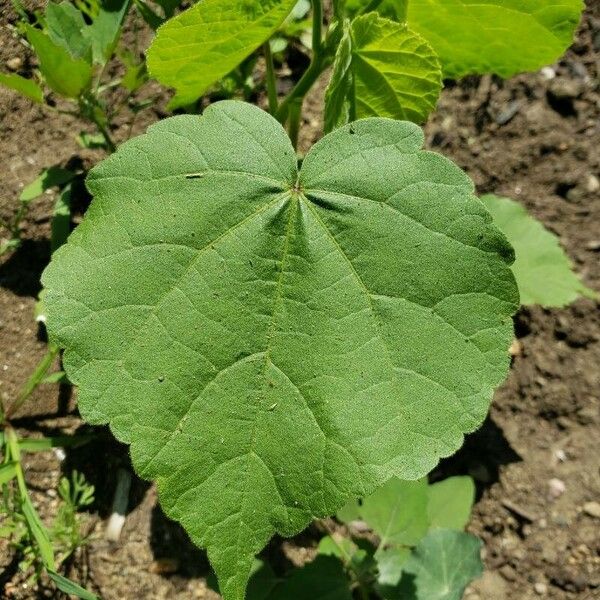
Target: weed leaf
(543,271)
(499,36)
(27,87)
(195,49)
(271,342)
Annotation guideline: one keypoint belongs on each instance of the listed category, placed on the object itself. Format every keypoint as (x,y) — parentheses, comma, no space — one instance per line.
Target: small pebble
(556,488)
(540,589)
(548,73)
(15,63)
(592,184)
(592,509)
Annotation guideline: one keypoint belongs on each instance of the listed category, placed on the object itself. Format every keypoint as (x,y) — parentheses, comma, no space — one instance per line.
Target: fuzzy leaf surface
(203,44)
(385,70)
(542,269)
(495,36)
(271,342)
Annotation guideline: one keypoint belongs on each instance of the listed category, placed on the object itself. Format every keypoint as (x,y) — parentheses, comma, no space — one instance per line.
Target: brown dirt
(531,138)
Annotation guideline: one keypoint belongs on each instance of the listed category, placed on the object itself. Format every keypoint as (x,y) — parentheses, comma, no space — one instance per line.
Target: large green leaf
(65,75)
(440,568)
(274,343)
(382,69)
(201,45)
(27,87)
(542,269)
(495,36)
(450,502)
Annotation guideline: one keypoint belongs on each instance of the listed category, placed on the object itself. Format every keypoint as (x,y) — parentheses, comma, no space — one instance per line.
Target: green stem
(295,112)
(34,379)
(316,67)
(373,5)
(271,82)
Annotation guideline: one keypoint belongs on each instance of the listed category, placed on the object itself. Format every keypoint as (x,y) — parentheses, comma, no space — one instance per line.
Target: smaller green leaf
(322,579)
(450,503)
(106,27)
(7,472)
(27,87)
(440,568)
(66,27)
(390,562)
(51,177)
(382,69)
(397,511)
(70,587)
(91,140)
(135,72)
(57,377)
(39,532)
(153,20)
(337,103)
(65,75)
(204,43)
(543,271)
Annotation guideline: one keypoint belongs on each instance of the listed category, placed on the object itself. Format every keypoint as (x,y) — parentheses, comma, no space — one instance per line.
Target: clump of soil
(534,138)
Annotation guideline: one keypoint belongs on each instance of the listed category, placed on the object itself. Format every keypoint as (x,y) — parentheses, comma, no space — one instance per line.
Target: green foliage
(392,9)
(543,271)
(416,560)
(495,36)
(27,87)
(382,69)
(216,348)
(64,74)
(449,503)
(204,43)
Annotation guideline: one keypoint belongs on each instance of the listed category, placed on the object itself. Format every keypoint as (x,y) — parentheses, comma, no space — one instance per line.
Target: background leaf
(203,44)
(105,29)
(440,568)
(450,502)
(271,346)
(542,269)
(390,72)
(495,36)
(66,27)
(65,75)
(337,102)
(26,87)
(391,9)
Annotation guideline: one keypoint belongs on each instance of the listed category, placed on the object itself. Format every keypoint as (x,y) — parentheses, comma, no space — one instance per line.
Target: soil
(535,138)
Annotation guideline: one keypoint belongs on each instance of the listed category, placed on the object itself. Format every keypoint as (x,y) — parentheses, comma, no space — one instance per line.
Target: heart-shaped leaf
(450,502)
(271,342)
(495,36)
(382,69)
(201,45)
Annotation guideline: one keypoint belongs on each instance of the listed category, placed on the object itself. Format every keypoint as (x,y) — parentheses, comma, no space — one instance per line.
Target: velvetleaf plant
(274,340)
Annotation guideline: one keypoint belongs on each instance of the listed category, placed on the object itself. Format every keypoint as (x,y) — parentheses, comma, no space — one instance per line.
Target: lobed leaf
(27,87)
(383,69)
(203,44)
(495,36)
(543,271)
(271,342)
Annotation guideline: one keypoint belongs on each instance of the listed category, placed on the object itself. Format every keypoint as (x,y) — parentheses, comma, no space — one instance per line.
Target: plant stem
(371,6)
(271,82)
(295,112)
(34,379)
(316,67)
